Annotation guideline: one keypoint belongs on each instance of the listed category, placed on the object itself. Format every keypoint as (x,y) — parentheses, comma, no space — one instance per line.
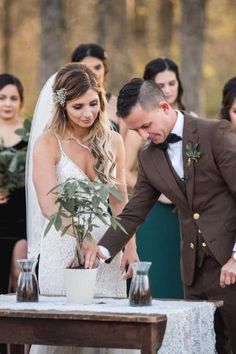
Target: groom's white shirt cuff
(105,252)
(234,249)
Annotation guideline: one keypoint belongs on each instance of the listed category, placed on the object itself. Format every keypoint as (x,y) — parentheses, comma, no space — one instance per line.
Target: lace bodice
(57,251)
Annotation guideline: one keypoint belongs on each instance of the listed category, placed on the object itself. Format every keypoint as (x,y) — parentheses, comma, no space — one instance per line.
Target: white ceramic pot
(80,285)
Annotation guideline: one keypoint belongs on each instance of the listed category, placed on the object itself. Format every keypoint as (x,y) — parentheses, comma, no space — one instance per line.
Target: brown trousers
(206,287)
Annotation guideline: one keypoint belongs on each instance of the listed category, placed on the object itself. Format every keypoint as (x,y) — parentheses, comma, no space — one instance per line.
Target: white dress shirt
(175,150)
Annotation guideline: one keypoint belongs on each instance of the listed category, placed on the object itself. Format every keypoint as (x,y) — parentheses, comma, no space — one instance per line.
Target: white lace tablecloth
(189,324)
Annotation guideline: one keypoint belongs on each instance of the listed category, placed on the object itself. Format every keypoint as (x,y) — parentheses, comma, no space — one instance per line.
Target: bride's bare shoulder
(46,142)
(47,137)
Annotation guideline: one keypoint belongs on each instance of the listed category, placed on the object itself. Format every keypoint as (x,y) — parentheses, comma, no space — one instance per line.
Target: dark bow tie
(171,139)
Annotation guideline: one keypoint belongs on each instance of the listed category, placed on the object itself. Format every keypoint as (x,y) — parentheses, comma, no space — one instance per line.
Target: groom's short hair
(138,91)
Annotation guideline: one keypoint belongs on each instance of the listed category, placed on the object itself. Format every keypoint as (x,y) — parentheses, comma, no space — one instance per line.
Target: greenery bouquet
(12,162)
(81,203)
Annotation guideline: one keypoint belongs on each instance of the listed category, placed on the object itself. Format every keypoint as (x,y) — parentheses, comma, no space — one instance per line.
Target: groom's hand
(228,273)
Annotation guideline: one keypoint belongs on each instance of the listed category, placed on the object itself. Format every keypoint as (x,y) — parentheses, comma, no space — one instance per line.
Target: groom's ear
(165,106)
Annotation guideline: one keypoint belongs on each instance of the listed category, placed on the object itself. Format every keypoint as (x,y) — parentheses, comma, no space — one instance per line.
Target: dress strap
(59,142)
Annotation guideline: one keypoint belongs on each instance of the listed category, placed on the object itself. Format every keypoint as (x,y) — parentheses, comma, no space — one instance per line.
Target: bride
(77,143)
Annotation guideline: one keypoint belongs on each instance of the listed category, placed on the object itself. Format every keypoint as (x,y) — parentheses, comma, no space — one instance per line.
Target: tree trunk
(117,42)
(51,37)
(6,31)
(192,33)
(139,23)
(140,20)
(165,26)
(101,9)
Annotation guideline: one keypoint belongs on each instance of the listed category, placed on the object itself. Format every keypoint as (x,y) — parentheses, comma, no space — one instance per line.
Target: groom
(193,162)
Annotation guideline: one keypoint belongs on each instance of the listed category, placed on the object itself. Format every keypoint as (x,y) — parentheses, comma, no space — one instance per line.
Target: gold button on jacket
(204,244)
(196,216)
(191,245)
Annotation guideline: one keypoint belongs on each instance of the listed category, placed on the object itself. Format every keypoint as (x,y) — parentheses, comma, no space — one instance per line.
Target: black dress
(12,228)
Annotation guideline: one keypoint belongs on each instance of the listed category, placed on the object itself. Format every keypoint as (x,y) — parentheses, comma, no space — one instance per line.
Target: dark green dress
(158,241)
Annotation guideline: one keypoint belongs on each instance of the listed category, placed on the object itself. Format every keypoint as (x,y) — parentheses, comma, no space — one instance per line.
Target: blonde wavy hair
(77,79)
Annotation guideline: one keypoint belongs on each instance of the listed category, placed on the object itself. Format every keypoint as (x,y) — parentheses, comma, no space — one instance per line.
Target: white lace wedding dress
(56,252)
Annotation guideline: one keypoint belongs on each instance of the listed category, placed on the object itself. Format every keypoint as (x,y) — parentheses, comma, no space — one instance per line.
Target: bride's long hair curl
(74,80)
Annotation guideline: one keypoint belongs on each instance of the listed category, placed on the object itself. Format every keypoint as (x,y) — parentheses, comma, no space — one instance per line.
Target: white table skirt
(189,330)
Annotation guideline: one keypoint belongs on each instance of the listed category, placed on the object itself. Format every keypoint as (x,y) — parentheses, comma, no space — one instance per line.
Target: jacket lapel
(160,162)
(189,136)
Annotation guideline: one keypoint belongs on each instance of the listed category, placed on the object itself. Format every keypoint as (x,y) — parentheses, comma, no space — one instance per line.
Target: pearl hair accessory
(59,96)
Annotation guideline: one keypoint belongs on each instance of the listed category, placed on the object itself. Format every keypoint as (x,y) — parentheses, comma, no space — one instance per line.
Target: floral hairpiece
(59,96)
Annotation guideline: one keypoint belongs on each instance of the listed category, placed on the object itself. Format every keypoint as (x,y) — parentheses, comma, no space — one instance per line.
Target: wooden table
(83,329)
(110,323)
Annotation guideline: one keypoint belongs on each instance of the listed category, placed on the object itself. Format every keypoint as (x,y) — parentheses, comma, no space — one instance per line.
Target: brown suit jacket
(210,191)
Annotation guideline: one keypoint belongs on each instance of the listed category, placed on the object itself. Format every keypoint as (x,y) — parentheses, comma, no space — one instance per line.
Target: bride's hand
(74,264)
(129,256)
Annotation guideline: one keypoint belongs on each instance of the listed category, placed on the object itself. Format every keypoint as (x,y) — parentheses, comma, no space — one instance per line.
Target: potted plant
(80,204)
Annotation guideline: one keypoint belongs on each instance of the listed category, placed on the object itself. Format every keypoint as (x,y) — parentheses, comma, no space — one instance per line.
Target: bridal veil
(35,219)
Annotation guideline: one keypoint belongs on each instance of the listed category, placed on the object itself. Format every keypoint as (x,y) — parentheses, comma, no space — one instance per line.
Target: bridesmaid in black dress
(12,204)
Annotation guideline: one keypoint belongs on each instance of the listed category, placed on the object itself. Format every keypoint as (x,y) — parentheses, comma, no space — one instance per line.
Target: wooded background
(37,36)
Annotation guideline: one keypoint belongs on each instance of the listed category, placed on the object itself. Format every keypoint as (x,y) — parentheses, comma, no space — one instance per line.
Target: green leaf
(69,205)
(58,221)
(65,230)
(115,223)
(27,124)
(95,201)
(103,193)
(49,225)
(89,236)
(71,189)
(13,164)
(20,131)
(25,131)
(117,194)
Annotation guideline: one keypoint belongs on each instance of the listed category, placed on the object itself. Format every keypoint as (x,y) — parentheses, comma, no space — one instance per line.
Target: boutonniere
(193,153)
